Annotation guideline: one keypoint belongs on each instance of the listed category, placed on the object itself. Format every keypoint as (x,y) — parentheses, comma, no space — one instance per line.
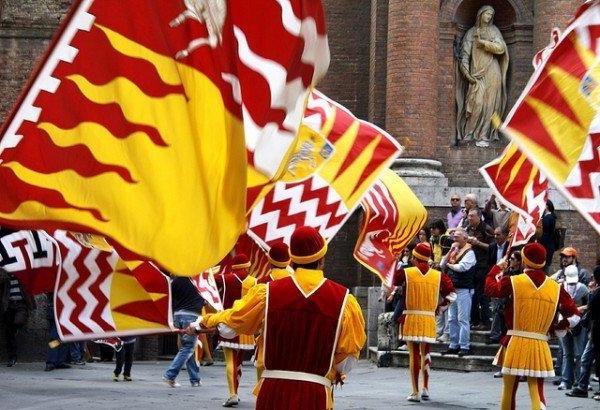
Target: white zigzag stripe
(105,288)
(297,206)
(91,302)
(73,251)
(575,179)
(82,20)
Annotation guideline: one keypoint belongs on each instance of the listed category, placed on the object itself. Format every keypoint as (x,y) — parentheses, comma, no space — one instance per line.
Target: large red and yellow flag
(393,217)
(556,121)
(335,162)
(141,120)
(98,295)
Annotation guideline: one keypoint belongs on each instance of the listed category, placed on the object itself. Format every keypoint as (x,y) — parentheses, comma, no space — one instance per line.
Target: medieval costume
(313,330)
(231,288)
(530,314)
(423,289)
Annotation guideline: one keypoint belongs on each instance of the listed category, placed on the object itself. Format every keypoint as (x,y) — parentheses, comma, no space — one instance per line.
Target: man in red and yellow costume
(313,330)
(279,258)
(231,287)
(423,287)
(530,314)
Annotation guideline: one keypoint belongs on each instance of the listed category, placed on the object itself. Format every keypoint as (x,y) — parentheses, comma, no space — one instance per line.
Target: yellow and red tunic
(528,353)
(248,316)
(422,295)
(231,289)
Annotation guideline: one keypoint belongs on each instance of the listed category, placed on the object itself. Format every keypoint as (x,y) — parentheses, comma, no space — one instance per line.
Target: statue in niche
(481,81)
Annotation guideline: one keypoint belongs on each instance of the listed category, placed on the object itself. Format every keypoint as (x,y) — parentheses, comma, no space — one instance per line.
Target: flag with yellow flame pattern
(556,121)
(142,117)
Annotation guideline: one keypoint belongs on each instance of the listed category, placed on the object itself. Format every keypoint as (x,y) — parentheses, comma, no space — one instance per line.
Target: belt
(301,376)
(419,312)
(527,335)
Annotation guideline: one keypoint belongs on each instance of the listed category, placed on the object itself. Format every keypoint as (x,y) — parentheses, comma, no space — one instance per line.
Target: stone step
(481,336)
(399,358)
(478,349)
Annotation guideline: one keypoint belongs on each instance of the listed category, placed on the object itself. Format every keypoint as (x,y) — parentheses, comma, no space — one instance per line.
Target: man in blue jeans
(187,305)
(460,264)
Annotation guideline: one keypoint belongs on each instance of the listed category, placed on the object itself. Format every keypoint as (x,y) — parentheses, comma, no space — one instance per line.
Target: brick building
(392,64)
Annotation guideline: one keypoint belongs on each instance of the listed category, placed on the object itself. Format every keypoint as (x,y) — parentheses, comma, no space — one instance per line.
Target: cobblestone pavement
(27,386)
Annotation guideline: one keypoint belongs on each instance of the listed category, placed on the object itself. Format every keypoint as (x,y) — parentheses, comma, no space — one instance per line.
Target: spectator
(497,212)
(460,263)
(77,353)
(574,341)
(471,202)
(456,214)
(548,238)
(480,235)
(438,228)
(124,356)
(496,253)
(187,305)
(15,306)
(423,235)
(580,389)
(568,256)
(57,351)
(595,325)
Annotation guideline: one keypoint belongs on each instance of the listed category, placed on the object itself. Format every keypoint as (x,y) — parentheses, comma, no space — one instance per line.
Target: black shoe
(49,367)
(451,351)
(62,366)
(11,362)
(577,392)
(464,352)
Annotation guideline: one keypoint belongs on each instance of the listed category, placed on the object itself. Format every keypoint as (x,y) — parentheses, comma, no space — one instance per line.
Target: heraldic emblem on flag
(141,120)
(556,121)
(346,155)
(393,216)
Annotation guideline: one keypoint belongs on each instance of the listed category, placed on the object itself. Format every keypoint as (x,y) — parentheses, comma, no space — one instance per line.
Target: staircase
(387,354)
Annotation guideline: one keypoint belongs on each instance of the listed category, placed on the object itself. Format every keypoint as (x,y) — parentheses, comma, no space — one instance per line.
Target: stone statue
(481,81)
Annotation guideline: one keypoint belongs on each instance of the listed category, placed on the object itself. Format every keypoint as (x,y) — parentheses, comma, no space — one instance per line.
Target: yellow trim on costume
(241,265)
(420,256)
(303,260)
(278,264)
(528,262)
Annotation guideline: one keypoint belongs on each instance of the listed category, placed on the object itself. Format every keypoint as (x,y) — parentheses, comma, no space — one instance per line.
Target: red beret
(534,255)
(307,245)
(279,255)
(422,251)
(240,261)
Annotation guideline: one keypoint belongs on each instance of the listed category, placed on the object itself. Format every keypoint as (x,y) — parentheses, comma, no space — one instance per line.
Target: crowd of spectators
(471,241)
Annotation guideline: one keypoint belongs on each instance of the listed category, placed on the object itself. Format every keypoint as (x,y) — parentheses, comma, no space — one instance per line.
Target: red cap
(240,261)
(307,245)
(279,255)
(569,251)
(422,251)
(534,255)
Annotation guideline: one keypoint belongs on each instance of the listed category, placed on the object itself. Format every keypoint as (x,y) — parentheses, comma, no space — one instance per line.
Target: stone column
(412,75)
(549,14)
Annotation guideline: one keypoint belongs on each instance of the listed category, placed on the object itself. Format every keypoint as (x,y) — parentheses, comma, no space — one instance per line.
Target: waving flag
(30,256)
(556,121)
(342,158)
(141,120)
(207,287)
(98,295)
(521,187)
(259,262)
(393,216)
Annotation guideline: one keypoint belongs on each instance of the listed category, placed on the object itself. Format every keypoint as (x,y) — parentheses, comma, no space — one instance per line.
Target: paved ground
(26,386)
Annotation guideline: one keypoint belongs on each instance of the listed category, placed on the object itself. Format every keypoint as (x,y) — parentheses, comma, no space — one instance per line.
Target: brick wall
(378,62)
(549,14)
(347,80)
